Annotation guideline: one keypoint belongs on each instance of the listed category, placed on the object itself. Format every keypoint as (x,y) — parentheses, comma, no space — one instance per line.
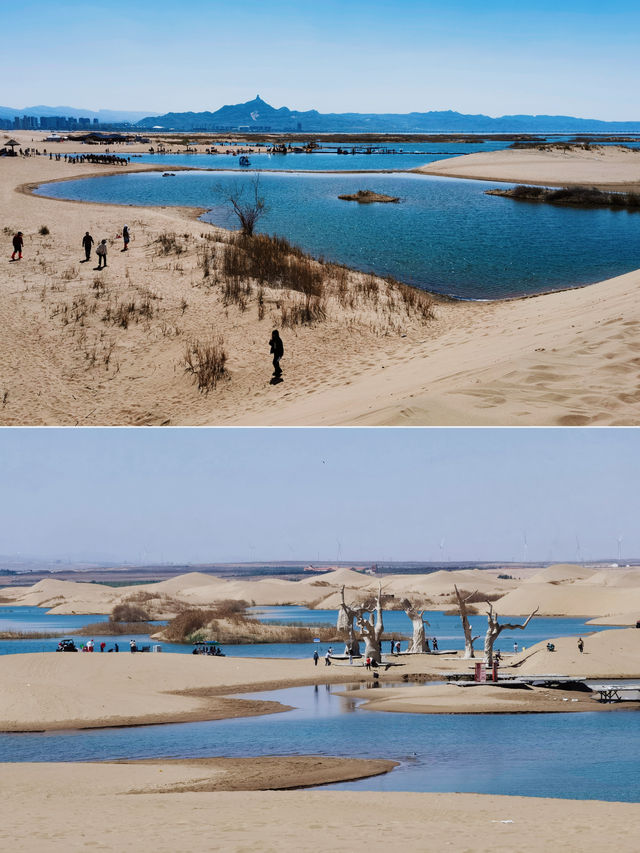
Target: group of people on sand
(101,248)
(89,646)
(275,343)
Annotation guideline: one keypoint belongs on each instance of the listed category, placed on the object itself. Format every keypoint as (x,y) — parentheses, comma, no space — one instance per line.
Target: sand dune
(564,359)
(561,573)
(607,654)
(558,590)
(95,801)
(573,599)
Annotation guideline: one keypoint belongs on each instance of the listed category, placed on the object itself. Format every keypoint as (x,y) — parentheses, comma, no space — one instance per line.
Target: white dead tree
(469,640)
(419,642)
(346,627)
(494,629)
(369,620)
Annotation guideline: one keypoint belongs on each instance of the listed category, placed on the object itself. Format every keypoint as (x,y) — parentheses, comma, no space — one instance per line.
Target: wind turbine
(619,541)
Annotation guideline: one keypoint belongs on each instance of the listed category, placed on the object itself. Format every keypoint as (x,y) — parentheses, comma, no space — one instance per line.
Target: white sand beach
(565,358)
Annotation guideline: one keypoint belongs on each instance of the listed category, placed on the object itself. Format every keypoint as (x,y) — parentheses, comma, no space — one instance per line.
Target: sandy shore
(563,359)
(59,691)
(610,167)
(61,807)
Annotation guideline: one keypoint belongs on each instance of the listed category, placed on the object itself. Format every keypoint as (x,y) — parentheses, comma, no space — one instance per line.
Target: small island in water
(575,196)
(368,197)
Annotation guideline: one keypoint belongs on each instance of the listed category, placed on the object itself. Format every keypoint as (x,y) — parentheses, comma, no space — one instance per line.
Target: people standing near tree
(434,643)
(327,658)
(277,348)
(101,252)
(126,237)
(87,243)
(18,243)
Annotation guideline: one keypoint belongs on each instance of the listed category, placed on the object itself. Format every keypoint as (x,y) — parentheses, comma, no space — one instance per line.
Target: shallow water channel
(583,756)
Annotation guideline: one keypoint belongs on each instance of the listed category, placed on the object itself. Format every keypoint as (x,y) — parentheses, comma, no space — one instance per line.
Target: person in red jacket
(18,243)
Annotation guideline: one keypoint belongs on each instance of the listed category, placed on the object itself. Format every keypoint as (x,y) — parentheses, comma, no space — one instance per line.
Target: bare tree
(369,619)
(419,643)
(248,205)
(466,627)
(494,629)
(346,616)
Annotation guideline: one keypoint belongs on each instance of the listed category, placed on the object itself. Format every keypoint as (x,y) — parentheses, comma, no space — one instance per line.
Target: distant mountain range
(259,116)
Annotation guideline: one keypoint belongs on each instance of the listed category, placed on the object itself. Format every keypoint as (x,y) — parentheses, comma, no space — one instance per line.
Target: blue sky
(214,495)
(494,57)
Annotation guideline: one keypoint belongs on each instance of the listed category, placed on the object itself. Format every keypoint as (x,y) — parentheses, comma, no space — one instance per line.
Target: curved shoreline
(196,213)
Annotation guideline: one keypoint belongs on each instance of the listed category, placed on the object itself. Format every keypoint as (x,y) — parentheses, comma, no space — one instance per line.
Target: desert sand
(557,590)
(108,805)
(612,167)
(567,358)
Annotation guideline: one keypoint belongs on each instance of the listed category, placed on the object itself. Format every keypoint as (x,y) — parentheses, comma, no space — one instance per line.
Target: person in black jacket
(87,243)
(18,243)
(277,348)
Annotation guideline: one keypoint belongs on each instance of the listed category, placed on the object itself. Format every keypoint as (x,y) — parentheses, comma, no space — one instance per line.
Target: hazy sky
(199,495)
(575,57)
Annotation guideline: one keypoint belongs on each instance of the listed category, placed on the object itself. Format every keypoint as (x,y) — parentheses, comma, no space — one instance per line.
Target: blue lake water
(446,235)
(581,756)
(406,156)
(446,627)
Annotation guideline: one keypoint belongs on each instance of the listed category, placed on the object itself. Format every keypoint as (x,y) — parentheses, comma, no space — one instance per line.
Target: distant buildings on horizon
(26,122)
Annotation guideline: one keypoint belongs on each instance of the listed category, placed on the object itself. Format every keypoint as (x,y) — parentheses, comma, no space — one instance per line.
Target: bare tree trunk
(494,629)
(419,642)
(466,627)
(371,626)
(345,626)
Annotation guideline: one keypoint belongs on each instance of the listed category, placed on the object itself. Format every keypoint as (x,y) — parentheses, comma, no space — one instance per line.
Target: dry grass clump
(206,362)
(227,622)
(191,620)
(169,244)
(272,261)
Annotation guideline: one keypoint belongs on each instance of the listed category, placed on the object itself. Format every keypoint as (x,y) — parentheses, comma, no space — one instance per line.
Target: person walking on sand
(580,645)
(87,243)
(315,657)
(515,647)
(18,243)
(101,252)
(327,658)
(277,348)
(126,237)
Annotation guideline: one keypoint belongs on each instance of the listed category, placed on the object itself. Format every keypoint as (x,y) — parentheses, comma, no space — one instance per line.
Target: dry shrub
(206,362)
(128,612)
(185,624)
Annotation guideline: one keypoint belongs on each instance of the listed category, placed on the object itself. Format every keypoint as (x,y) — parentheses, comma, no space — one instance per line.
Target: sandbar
(61,807)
